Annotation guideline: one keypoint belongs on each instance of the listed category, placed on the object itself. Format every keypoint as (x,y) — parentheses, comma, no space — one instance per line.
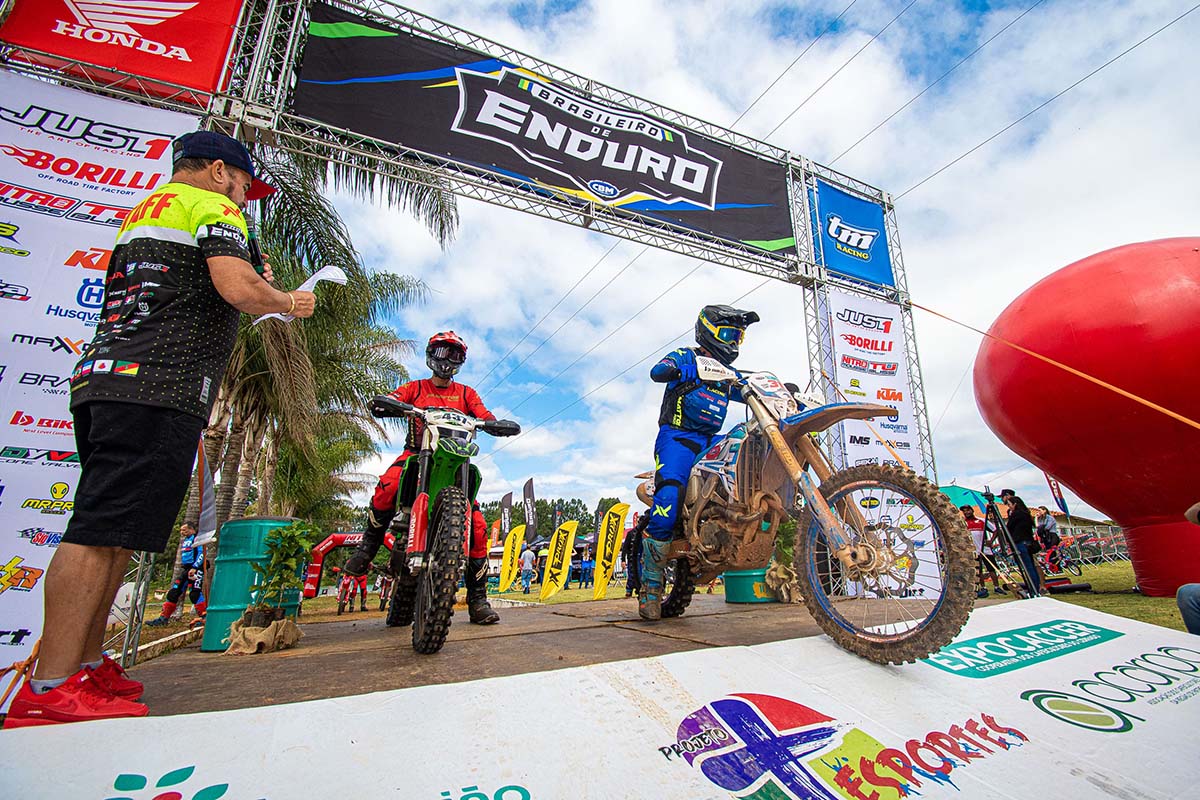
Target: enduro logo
(847,239)
(607,155)
(73,127)
(109,22)
(757,746)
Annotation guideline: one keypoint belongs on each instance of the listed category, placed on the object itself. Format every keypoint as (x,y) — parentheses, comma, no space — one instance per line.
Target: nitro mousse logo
(605,154)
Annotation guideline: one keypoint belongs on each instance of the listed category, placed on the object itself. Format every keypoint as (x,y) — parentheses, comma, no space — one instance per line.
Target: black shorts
(136,466)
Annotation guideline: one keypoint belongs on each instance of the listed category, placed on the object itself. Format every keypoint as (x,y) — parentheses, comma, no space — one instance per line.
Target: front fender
(822,417)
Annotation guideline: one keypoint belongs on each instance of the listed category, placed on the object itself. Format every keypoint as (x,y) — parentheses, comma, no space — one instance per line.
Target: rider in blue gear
(691,417)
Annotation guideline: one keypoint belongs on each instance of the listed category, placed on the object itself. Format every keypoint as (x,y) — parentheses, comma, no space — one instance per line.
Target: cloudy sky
(1112,161)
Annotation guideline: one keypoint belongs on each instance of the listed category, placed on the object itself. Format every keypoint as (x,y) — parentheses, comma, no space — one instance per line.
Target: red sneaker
(112,678)
(78,700)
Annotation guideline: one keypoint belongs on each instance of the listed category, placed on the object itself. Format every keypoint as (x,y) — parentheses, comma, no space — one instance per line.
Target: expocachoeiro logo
(760,746)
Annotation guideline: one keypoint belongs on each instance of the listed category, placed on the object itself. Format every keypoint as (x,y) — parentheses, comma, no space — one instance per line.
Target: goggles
(730,334)
(445,352)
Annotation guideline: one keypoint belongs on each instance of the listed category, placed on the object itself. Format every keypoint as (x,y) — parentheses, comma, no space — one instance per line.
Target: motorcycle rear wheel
(437,584)
(842,605)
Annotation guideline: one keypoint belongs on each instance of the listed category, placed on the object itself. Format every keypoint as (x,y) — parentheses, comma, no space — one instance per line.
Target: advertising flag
(853,242)
(506,514)
(155,39)
(608,544)
(1056,490)
(558,563)
(530,511)
(206,528)
(512,551)
(493,118)
(494,537)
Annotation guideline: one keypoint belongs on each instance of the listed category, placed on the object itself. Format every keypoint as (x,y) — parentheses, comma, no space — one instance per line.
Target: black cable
(943,76)
(1030,113)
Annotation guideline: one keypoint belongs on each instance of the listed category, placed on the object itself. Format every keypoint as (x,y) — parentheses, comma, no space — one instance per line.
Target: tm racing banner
(501,120)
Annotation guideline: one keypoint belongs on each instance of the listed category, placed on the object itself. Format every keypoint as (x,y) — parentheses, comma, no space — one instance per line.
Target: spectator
(140,395)
(1047,528)
(631,551)
(543,554)
(976,528)
(1020,527)
(1188,598)
(527,562)
(589,567)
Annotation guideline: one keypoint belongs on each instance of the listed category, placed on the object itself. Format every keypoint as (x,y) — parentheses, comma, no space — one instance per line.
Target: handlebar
(384,405)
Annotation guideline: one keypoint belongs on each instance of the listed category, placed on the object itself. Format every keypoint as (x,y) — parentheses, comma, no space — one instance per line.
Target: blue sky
(1106,164)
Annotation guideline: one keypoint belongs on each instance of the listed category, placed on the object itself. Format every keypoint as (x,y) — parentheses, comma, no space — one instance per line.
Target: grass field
(1112,592)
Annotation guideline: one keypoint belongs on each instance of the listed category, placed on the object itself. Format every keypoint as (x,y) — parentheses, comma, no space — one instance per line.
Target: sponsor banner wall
(798,719)
(71,166)
(853,242)
(499,119)
(155,39)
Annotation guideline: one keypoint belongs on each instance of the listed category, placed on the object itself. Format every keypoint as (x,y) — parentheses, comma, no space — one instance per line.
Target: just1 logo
(758,746)
(1106,700)
(860,319)
(18,576)
(856,242)
(58,503)
(40,457)
(609,154)
(70,126)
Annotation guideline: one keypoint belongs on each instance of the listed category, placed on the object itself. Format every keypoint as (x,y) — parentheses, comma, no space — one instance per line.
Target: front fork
(854,557)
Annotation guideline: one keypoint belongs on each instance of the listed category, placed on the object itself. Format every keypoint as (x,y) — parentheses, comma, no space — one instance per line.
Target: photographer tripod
(996,530)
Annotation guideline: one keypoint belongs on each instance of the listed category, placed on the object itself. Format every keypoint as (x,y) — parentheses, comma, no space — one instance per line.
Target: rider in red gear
(444,354)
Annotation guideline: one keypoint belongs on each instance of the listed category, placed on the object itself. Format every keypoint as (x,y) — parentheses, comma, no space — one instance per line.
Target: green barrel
(242,542)
(748,586)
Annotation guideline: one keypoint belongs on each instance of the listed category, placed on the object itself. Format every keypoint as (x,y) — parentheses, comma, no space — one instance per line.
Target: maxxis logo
(1103,701)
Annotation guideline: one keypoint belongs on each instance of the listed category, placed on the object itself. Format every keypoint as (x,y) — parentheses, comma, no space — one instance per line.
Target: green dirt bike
(433,519)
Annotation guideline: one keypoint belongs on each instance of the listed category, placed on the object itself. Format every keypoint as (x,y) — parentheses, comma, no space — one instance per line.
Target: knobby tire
(438,583)
(937,630)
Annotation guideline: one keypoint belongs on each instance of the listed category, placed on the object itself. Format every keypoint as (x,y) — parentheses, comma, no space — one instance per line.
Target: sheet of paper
(327,273)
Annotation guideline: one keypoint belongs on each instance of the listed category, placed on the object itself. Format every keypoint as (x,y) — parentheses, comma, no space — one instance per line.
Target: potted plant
(287,549)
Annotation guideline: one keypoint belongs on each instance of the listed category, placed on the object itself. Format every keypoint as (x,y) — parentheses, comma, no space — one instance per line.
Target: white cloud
(1111,162)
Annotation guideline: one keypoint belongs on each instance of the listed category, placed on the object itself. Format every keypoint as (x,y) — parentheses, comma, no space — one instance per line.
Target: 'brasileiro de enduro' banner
(501,120)
(71,167)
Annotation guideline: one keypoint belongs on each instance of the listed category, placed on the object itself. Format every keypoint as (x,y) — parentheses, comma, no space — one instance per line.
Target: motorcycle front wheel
(437,584)
(921,588)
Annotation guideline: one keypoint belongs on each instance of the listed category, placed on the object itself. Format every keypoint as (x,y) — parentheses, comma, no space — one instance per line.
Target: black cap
(1010,492)
(213,145)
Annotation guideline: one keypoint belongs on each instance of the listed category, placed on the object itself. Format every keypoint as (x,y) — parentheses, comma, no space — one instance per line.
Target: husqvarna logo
(112,21)
(847,239)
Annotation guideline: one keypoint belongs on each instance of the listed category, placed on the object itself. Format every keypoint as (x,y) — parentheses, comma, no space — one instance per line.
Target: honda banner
(852,241)
(495,118)
(183,42)
(71,166)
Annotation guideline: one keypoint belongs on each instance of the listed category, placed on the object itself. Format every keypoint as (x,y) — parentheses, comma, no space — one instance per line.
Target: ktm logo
(891,395)
(112,21)
(93,258)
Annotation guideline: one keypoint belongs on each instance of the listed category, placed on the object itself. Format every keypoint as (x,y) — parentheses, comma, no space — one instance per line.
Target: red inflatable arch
(1131,317)
(312,578)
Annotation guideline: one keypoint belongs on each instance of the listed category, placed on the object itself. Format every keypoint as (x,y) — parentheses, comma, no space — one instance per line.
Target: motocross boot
(654,556)
(478,607)
(360,560)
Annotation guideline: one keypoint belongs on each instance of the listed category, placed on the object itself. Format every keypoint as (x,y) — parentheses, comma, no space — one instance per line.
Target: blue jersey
(192,556)
(694,406)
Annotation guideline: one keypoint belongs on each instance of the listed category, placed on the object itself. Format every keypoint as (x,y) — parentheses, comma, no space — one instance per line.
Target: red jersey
(424,394)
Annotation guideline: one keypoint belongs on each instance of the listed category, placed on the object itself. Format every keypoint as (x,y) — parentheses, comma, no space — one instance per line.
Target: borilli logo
(761,747)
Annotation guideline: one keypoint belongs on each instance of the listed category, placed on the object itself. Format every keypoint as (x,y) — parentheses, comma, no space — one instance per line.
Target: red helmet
(445,353)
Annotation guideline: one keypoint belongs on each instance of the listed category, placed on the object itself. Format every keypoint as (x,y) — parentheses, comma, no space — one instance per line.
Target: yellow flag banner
(512,551)
(558,563)
(608,543)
